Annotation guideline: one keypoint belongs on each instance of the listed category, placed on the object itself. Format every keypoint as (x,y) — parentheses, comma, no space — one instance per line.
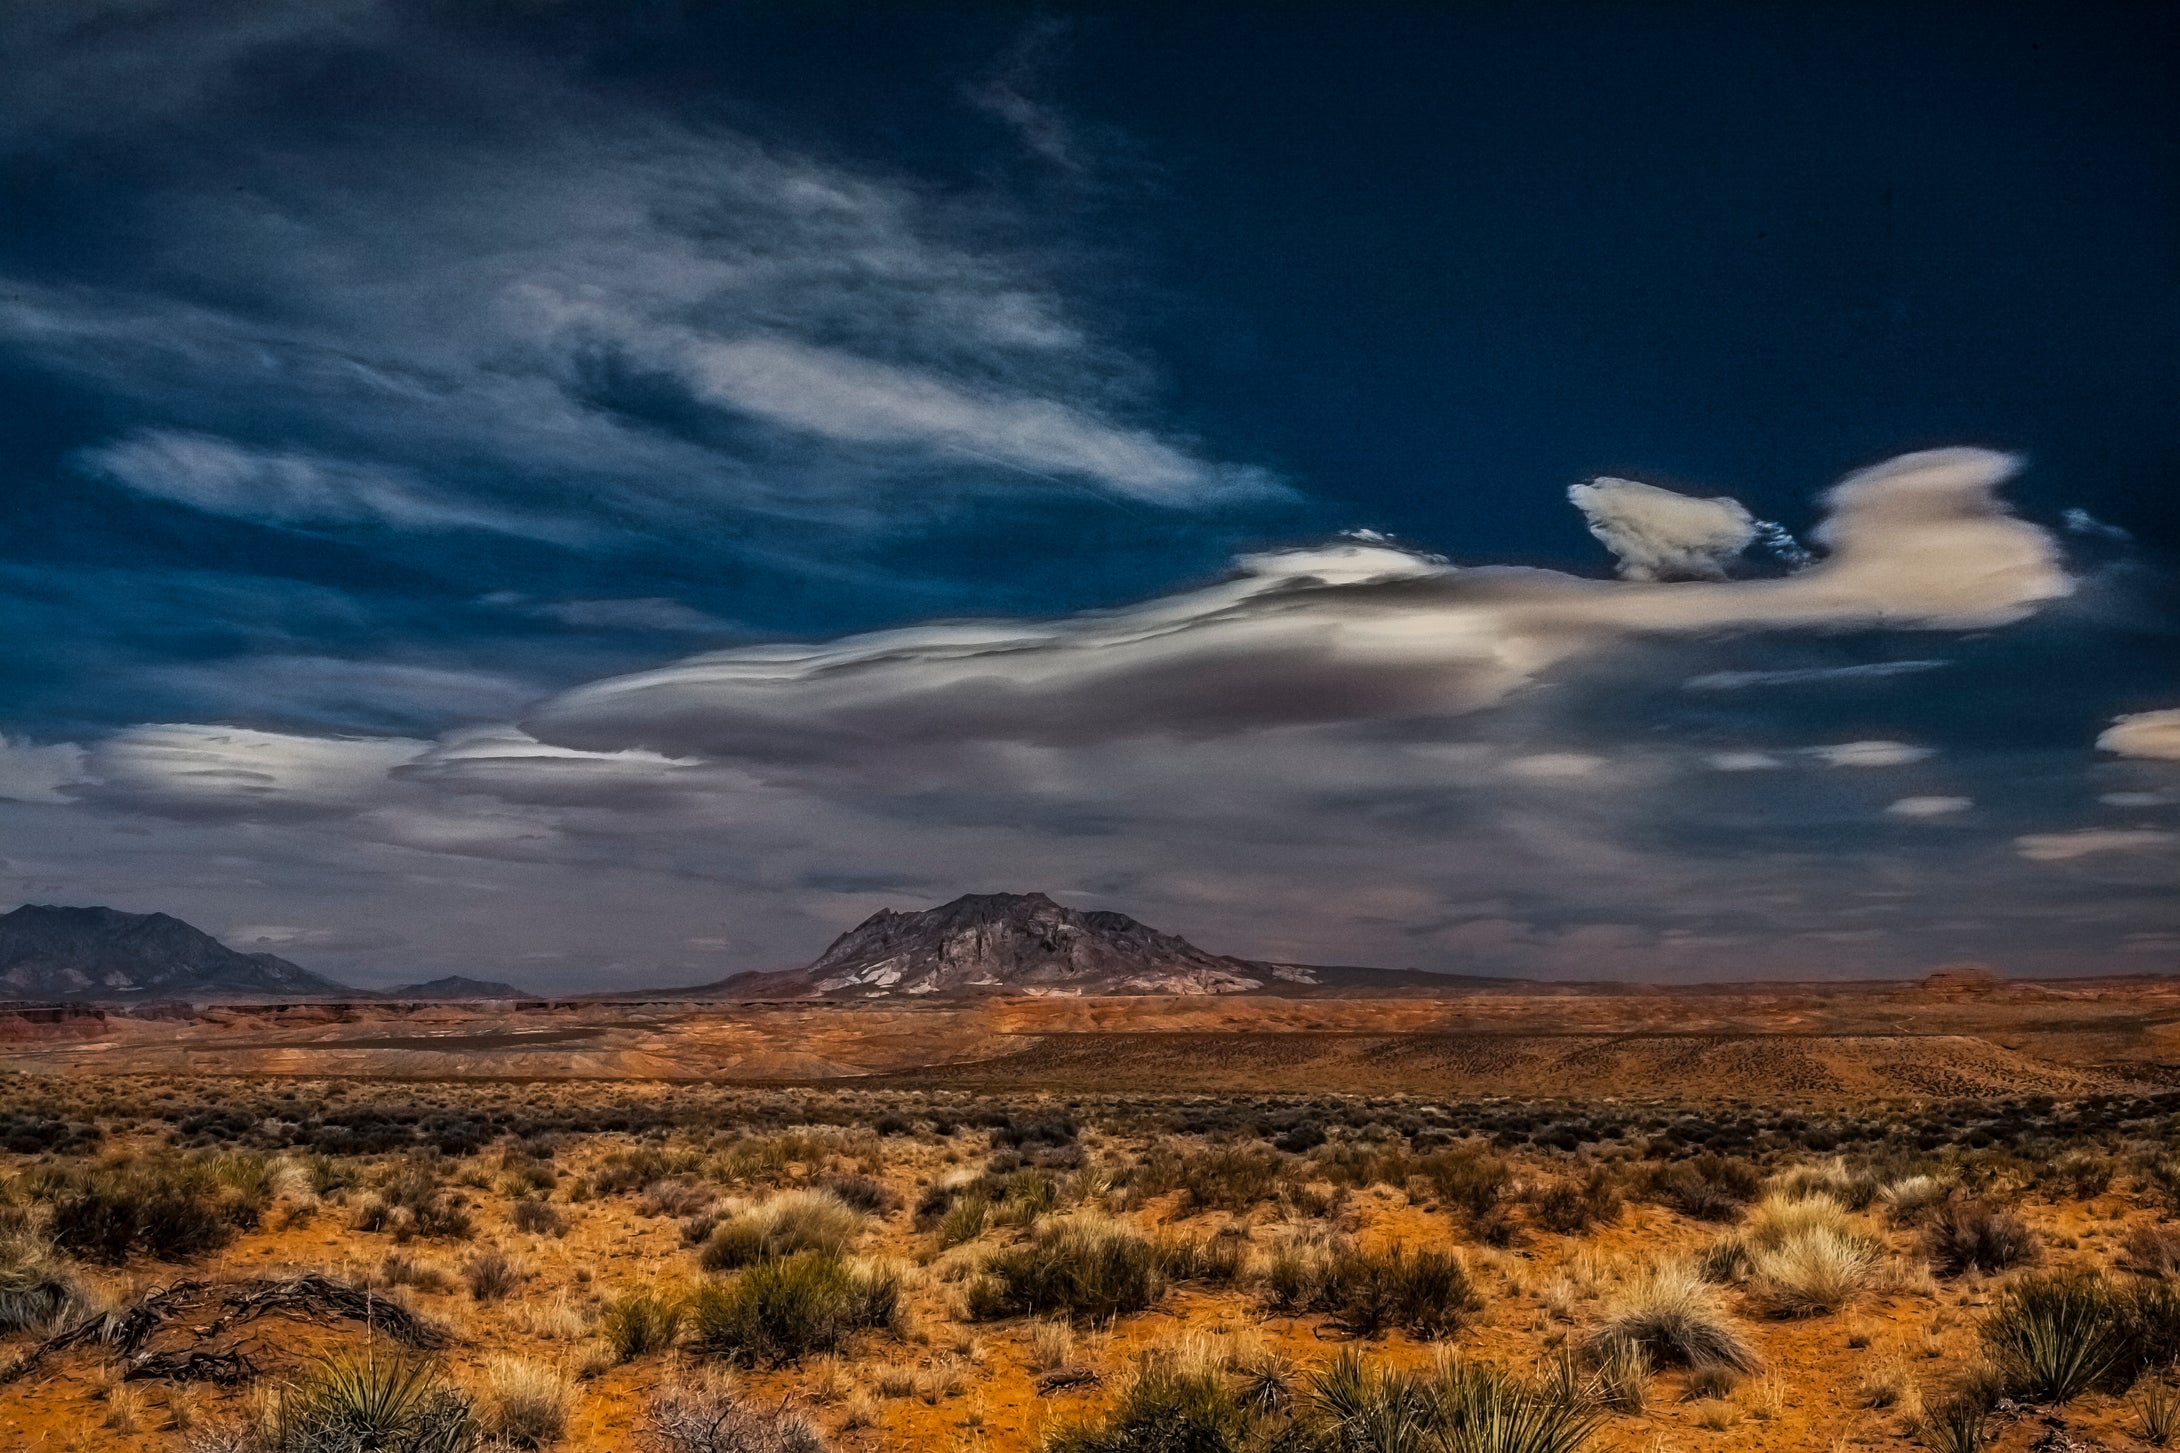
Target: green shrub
(641,1321)
(1427,1294)
(780,1311)
(1165,1404)
(1229,1178)
(1081,1267)
(171,1210)
(792,1222)
(963,1221)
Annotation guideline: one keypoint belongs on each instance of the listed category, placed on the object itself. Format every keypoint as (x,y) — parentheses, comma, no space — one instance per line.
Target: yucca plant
(2157,1413)
(1960,1424)
(1482,1408)
(1164,1402)
(2054,1337)
(390,1404)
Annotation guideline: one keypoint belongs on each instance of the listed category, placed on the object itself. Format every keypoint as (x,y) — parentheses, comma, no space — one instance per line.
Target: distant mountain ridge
(457,986)
(53,952)
(1025,943)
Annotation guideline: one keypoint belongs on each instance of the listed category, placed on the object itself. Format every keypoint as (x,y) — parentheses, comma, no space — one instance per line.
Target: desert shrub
(1212,1260)
(540,1218)
(526,1404)
(867,1194)
(1962,1235)
(491,1276)
(1228,1178)
(1366,1293)
(780,1311)
(641,1321)
(1163,1402)
(388,1404)
(413,1204)
(2161,1181)
(2079,1176)
(1707,1187)
(171,1210)
(1620,1376)
(1676,1318)
(2153,1251)
(635,1168)
(1472,1181)
(791,1222)
(1803,1255)
(692,1420)
(676,1198)
(1571,1208)
(1082,1266)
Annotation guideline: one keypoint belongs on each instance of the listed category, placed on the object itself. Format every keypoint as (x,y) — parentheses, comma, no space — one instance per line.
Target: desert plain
(1937,1214)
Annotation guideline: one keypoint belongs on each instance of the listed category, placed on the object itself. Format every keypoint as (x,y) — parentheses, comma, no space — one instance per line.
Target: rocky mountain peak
(1019,942)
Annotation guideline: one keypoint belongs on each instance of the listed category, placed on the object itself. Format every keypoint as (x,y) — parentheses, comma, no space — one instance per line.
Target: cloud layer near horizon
(1356,703)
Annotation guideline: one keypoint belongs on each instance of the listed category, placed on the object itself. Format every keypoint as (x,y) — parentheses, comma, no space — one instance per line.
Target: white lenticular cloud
(189,769)
(1349,631)
(1919,807)
(1869,754)
(2151,734)
(2060,847)
(1658,534)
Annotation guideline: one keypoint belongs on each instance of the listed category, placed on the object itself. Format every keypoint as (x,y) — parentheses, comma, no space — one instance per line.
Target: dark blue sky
(380,374)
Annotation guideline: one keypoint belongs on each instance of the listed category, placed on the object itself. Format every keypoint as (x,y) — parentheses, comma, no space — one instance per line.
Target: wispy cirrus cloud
(584,315)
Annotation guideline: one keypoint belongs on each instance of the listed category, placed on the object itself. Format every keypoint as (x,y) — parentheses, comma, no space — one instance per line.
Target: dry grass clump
(781,1311)
(1910,1198)
(538,1217)
(526,1404)
(491,1276)
(413,1204)
(1964,1235)
(37,1288)
(794,1221)
(1802,1256)
(1083,1266)
(1676,1318)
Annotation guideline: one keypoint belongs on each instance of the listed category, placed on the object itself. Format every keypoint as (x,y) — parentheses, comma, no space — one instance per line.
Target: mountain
(1024,943)
(457,986)
(48,952)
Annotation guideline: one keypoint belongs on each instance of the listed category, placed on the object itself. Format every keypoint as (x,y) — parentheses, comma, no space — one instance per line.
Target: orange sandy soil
(1804,1042)
(975,1381)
